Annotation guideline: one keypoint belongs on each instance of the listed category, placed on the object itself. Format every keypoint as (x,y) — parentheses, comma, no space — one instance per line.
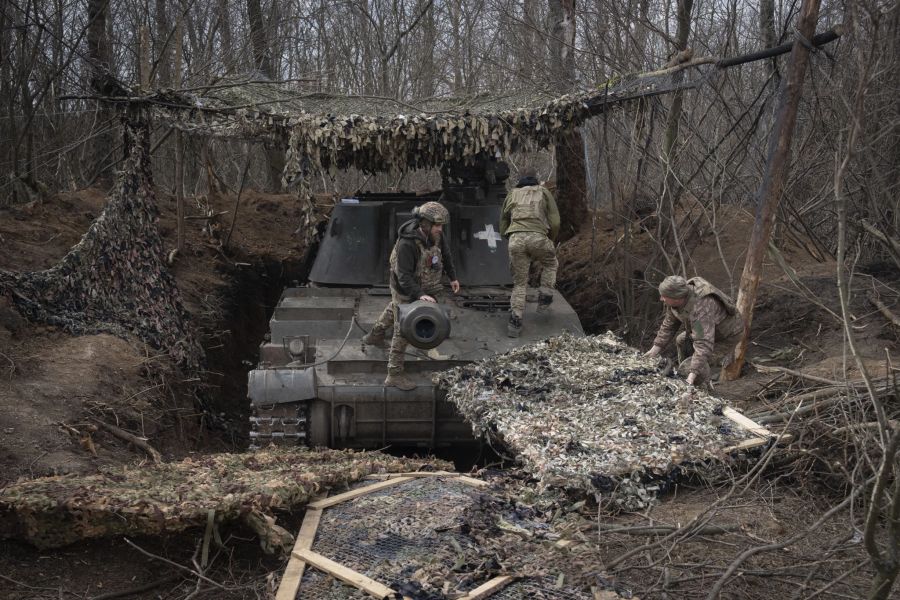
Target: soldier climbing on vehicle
(421,256)
(530,219)
(712,326)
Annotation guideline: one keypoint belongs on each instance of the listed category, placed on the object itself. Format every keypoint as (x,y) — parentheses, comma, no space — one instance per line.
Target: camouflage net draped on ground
(591,413)
(115,280)
(152,499)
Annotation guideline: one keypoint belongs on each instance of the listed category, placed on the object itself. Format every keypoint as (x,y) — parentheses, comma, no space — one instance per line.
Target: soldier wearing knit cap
(712,325)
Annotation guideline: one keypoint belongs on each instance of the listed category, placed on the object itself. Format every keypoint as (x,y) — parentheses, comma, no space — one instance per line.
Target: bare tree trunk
(454,10)
(777,167)
(531,48)
(27,54)
(275,153)
(767,28)
(179,139)
(642,35)
(144,59)
(225,33)
(671,186)
(570,170)
(163,45)
(98,42)
(768,38)
(261,59)
(428,74)
(101,68)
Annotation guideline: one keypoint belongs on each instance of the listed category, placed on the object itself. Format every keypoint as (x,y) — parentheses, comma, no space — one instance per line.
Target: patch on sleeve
(698,330)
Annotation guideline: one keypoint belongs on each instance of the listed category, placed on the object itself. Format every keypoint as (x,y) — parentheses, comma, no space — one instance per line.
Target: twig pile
(591,413)
(54,511)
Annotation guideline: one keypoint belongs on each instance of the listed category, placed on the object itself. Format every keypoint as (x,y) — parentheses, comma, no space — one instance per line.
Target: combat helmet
(434,212)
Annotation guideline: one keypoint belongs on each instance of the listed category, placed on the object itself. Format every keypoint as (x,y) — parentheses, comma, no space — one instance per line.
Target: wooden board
(473,482)
(462,478)
(325,503)
(411,474)
(747,423)
(762,434)
(757,442)
(349,576)
(487,589)
(293,573)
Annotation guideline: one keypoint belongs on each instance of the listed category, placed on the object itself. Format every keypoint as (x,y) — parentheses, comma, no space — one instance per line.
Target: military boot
(544,302)
(514,328)
(399,380)
(374,338)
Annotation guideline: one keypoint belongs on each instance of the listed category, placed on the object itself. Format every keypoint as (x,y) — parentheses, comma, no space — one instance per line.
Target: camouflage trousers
(389,316)
(527,248)
(723,354)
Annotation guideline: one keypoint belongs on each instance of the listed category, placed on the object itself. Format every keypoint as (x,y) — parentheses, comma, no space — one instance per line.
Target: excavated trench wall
(232,342)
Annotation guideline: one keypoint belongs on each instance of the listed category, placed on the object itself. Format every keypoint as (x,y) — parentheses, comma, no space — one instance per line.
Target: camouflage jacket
(417,263)
(530,207)
(709,316)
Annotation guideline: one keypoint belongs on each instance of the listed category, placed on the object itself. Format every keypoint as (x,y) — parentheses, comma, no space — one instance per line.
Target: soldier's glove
(684,402)
(665,366)
(653,352)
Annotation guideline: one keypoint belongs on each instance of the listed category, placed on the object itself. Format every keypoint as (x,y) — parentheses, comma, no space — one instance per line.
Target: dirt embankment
(606,271)
(54,388)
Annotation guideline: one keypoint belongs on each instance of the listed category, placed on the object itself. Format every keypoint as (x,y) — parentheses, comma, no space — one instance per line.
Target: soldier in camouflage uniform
(420,257)
(530,219)
(712,325)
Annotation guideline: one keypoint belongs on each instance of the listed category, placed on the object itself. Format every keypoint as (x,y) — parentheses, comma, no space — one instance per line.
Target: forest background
(650,180)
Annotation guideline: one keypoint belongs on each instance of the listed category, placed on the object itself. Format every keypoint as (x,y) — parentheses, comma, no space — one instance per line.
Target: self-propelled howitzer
(318,384)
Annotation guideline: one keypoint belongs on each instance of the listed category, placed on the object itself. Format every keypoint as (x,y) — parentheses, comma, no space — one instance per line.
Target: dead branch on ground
(131,438)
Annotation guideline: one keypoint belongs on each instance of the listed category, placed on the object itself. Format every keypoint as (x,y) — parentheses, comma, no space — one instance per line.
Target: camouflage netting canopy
(326,132)
(115,279)
(591,414)
(153,499)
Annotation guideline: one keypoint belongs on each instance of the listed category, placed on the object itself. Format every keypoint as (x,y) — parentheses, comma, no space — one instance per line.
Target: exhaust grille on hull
(486,303)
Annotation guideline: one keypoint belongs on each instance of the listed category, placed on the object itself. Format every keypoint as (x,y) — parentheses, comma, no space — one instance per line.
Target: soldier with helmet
(530,219)
(712,325)
(419,259)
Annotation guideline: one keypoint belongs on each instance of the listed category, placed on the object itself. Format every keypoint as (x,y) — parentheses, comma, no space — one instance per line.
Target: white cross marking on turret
(489,235)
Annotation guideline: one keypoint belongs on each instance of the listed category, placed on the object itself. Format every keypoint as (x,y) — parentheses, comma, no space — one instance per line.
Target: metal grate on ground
(387,539)
(389,534)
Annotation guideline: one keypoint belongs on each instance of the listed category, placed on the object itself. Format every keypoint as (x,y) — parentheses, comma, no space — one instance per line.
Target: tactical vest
(731,326)
(429,268)
(527,205)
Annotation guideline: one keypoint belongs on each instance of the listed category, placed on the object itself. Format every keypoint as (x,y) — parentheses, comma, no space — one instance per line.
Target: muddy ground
(55,387)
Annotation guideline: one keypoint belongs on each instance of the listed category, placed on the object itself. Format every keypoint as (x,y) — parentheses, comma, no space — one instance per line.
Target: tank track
(285,424)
